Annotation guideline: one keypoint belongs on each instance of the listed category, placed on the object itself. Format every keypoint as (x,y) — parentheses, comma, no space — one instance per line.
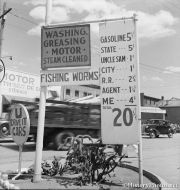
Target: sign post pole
(20,158)
(40,135)
(140,159)
(41,116)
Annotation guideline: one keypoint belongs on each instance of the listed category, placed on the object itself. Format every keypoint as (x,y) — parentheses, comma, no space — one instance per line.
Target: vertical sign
(119,83)
(20,124)
(20,127)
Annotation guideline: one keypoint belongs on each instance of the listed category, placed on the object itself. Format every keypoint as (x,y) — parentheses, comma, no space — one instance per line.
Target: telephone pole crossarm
(5,13)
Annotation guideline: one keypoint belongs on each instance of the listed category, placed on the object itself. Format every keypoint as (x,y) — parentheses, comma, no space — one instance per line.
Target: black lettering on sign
(131,47)
(121,58)
(19,131)
(111,89)
(109,49)
(127,117)
(115,122)
(107,69)
(106,80)
(126,112)
(24,131)
(18,113)
(132,78)
(108,100)
(117,38)
(85,76)
(103,79)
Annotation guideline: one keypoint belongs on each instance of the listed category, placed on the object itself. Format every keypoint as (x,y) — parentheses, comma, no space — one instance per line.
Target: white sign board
(119,83)
(19,124)
(65,46)
(20,84)
(73,77)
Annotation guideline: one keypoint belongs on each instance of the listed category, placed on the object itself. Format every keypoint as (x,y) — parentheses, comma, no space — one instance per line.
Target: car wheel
(60,138)
(170,135)
(152,134)
(4,130)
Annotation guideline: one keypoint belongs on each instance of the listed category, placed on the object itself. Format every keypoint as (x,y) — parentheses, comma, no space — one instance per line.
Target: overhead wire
(23,18)
(158,69)
(166,85)
(145,65)
(17,27)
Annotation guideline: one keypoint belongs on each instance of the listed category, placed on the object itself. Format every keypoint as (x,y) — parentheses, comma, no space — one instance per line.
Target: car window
(151,122)
(156,122)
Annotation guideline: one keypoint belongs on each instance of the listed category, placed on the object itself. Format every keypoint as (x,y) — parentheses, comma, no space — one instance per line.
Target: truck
(62,119)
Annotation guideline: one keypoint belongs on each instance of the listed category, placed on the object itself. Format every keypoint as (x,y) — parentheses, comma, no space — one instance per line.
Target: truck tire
(60,138)
(4,130)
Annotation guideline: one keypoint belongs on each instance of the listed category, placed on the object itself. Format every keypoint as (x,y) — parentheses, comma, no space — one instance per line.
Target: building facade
(74,91)
(172,107)
(21,86)
(148,101)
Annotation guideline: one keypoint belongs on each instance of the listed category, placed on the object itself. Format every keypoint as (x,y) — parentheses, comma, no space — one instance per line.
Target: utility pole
(2,24)
(2,17)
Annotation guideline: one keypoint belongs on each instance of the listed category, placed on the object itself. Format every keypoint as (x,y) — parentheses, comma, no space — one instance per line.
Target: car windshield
(153,121)
(158,122)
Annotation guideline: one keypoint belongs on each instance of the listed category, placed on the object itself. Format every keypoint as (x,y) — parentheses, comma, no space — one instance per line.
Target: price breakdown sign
(119,82)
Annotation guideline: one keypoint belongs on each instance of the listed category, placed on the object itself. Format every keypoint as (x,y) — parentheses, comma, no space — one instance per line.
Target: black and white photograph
(90,94)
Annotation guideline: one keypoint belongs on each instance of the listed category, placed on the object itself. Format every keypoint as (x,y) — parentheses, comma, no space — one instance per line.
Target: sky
(158,36)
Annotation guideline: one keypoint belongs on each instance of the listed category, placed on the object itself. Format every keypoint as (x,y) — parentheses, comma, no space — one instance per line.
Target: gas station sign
(119,83)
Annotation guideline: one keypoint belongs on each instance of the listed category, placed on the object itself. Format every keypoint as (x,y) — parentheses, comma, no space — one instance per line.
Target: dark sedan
(156,127)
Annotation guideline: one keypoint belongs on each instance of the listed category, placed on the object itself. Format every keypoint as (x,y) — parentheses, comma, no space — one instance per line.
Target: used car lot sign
(65,46)
(19,124)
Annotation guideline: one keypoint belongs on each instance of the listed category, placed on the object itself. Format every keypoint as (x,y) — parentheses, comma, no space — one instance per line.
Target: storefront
(18,86)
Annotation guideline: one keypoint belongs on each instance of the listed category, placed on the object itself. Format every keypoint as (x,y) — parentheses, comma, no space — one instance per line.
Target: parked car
(177,128)
(156,127)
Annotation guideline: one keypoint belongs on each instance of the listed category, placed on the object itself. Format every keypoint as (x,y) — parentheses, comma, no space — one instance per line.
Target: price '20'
(126,120)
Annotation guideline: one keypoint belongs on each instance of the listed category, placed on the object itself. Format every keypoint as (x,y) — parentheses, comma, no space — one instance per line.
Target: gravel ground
(120,179)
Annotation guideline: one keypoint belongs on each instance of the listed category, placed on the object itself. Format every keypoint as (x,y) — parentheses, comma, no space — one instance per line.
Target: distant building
(74,91)
(150,108)
(172,107)
(148,101)
(149,105)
